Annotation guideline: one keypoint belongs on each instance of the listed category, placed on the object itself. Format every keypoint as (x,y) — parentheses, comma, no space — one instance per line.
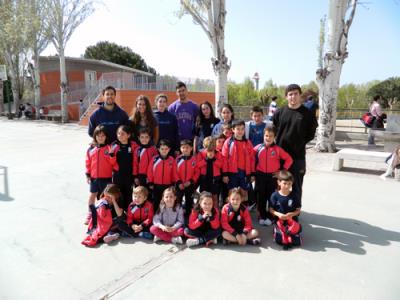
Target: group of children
(162,206)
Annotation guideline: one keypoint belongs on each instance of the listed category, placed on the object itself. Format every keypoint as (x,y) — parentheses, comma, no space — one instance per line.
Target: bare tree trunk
(221,84)
(64,88)
(1,97)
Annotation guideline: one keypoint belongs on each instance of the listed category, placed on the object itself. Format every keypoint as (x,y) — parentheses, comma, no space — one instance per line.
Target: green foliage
(389,89)
(354,95)
(117,54)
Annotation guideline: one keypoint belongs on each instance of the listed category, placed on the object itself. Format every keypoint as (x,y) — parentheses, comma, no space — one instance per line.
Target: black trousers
(188,193)
(298,170)
(125,184)
(265,185)
(203,236)
(122,226)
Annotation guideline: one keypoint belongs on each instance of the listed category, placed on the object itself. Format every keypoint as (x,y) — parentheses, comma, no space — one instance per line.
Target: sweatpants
(125,184)
(203,236)
(298,170)
(265,186)
(166,236)
(122,226)
(188,204)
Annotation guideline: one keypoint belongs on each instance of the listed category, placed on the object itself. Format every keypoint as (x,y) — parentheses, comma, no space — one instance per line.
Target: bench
(360,155)
(52,115)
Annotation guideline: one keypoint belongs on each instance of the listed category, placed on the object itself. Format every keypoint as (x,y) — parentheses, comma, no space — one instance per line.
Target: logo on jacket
(290,202)
(273,153)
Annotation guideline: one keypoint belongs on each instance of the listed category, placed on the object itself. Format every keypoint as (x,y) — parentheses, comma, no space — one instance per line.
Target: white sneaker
(215,241)
(384,176)
(111,237)
(156,239)
(192,242)
(267,222)
(177,240)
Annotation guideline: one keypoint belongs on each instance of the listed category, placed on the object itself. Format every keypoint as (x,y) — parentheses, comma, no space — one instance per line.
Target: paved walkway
(350,223)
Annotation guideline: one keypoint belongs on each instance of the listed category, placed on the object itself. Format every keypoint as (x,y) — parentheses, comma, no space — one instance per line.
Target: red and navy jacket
(230,152)
(162,171)
(242,215)
(267,159)
(219,164)
(187,170)
(99,162)
(142,158)
(140,214)
(198,222)
(104,220)
(116,149)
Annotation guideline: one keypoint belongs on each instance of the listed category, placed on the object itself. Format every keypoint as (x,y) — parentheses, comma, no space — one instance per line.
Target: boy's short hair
(274,98)
(161,96)
(284,176)
(180,84)
(187,142)
(292,87)
(209,143)
(164,142)
(144,130)
(270,128)
(237,123)
(226,126)
(256,108)
(141,190)
(110,87)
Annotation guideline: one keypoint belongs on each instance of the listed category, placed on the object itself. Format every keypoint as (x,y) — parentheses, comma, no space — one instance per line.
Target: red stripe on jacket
(187,169)
(142,158)
(140,214)
(230,152)
(162,171)
(99,163)
(227,214)
(267,159)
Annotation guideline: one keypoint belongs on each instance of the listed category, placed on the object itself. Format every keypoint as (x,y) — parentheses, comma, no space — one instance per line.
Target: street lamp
(256,78)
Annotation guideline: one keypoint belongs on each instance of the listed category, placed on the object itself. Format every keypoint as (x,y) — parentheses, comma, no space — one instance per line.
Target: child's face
(206,111)
(227,132)
(186,150)
(122,136)
(108,197)
(109,97)
(164,150)
(238,132)
(220,143)
(226,114)
(101,138)
(141,106)
(210,153)
(144,139)
(161,104)
(169,199)
(257,117)
(235,200)
(293,98)
(285,186)
(269,137)
(138,198)
(206,205)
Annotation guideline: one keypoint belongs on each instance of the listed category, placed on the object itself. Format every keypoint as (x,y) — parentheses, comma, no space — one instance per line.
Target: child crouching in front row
(286,209)
(168,221)
(236,221)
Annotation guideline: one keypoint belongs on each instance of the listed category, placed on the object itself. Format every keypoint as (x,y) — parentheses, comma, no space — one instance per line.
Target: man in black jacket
(295,126)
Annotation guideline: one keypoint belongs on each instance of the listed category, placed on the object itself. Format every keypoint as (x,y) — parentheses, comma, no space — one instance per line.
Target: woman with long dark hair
(142,116)
(205,123)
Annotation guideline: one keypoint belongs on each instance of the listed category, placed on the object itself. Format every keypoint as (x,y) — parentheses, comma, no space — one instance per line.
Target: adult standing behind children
(185,111)
(205,123)
(142,116)
(109,114)
(167,123)
(296,127)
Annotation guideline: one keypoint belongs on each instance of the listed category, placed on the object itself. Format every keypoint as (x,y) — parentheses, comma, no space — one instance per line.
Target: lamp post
(256,78)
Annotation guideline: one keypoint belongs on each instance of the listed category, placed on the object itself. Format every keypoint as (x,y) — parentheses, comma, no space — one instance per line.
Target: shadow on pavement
(321,232)
(4,197)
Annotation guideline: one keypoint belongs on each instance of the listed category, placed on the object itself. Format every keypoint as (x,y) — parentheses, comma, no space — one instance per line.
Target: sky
(277,39)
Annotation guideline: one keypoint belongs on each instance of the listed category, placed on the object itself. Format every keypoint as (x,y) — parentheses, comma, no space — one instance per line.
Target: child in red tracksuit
(268,157)
(144,154)
(99,166)
(161,172)
(286,208)
(139,215)
(101,220)
(220,140)
(212,167)
(124,150)
(236,221)
(238,152)
(188,175)
(204,225)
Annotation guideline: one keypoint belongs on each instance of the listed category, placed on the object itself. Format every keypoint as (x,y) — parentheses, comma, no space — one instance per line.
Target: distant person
(376,111)
(142,116)
(21,109)
(28,111)
(82,108)
(204,126)
(295,126)
(109,114)
(273,106)
(227,115)
(185,111)
(311,105)
(167,123)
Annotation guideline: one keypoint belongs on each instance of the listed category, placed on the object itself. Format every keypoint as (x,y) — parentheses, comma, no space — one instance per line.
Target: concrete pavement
(350,219)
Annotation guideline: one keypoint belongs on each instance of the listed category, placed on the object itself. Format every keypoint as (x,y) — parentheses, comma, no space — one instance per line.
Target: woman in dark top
(204,126)
(142,116)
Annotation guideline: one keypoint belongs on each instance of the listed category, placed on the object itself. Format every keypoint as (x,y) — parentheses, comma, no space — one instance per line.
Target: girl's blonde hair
(141,190)
(209,143)
(236,191)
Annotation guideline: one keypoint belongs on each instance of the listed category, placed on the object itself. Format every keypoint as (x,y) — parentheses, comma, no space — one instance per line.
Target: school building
(87,78)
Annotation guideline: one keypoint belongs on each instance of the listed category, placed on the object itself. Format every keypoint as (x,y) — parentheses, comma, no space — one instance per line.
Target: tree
(64,16)
(328,77)
(117,54)
(210,15)
(389,89)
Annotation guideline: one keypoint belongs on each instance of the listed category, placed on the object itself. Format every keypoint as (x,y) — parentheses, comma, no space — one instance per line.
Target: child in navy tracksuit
(212,167)
(285,208)
(144,154)
(99,166)
(124,150)
(101,220)
(267,161)
(139,215)
(204,225)
(161,172)
(188,175)
(236,221)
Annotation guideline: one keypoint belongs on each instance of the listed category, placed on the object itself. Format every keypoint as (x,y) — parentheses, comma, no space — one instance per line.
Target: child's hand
(88,180)
(163,228)
(137,228)
(137,182)
(252,178)
(186,184)
(181,186)
(151,187)
(225,179)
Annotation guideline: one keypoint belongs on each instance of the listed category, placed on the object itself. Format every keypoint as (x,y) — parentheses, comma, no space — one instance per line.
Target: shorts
(97,185)
(238,180)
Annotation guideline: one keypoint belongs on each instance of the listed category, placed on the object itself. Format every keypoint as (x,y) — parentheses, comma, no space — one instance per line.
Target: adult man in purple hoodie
(185,111)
